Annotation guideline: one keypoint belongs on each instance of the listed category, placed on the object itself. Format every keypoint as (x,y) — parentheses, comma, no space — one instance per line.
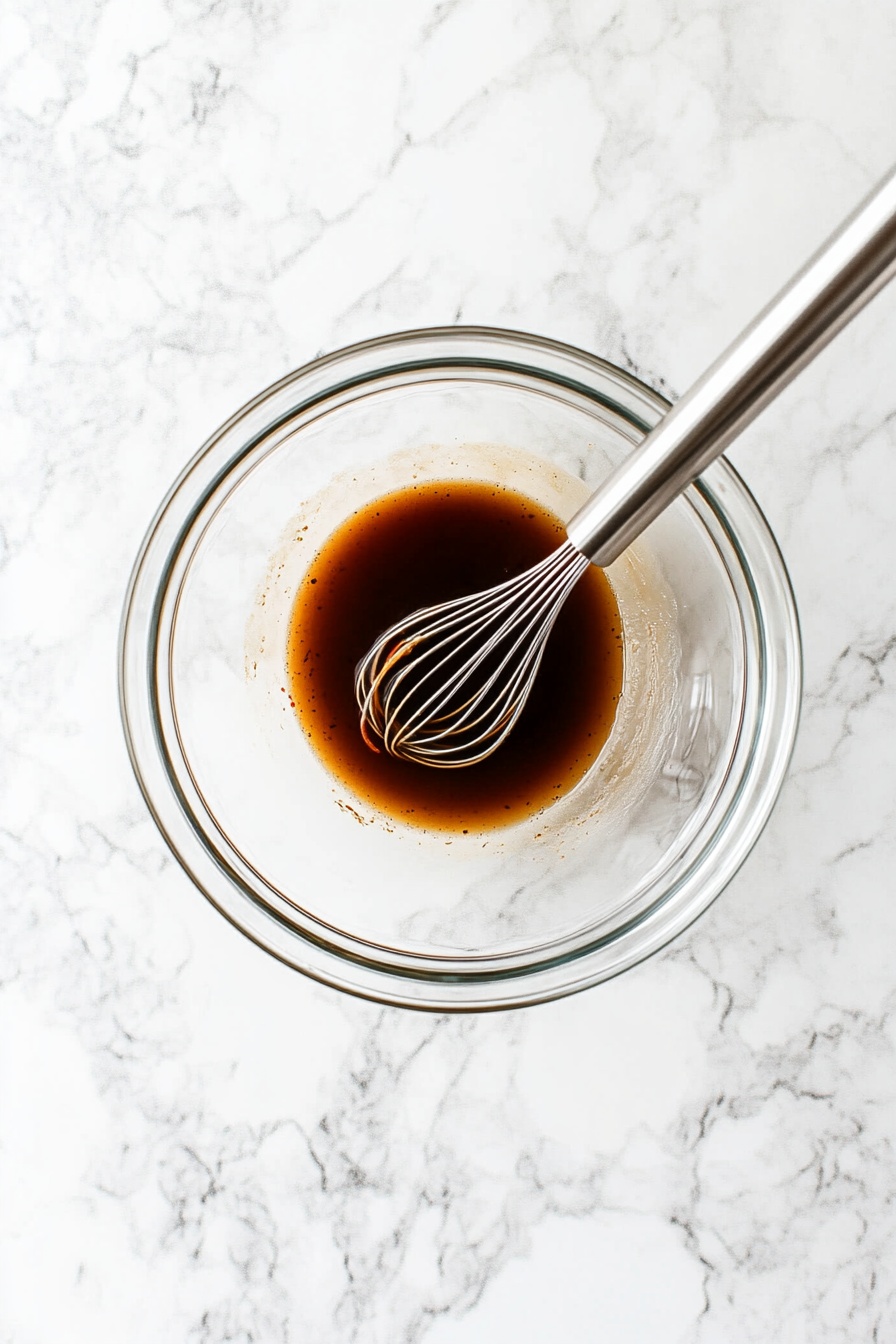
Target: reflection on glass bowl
(573,895)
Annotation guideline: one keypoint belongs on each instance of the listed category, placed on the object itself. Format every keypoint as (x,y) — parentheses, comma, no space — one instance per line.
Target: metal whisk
(452,687)
(445,686)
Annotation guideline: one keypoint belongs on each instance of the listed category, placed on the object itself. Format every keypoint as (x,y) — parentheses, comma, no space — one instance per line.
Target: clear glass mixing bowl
(508,917)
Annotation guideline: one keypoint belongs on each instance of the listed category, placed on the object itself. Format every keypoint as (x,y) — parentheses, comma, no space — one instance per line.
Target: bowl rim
(227,890)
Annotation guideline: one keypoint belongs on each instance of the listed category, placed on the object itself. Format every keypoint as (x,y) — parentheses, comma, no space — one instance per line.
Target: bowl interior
(318,876)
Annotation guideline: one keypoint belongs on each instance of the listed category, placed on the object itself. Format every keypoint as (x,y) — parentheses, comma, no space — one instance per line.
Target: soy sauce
(416,547)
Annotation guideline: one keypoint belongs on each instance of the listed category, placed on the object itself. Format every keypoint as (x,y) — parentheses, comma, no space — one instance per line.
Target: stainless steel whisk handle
(855,262)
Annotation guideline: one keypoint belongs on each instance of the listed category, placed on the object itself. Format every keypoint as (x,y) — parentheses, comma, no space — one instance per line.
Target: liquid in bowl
(424,544)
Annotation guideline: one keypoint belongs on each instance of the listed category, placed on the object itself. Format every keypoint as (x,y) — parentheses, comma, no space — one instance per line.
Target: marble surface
(199,1145)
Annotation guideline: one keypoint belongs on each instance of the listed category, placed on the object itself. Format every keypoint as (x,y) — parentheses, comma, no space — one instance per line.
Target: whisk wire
(488,607)
(445,686)
(461,716)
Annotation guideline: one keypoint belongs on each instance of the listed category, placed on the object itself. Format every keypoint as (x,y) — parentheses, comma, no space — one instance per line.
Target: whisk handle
(855,262)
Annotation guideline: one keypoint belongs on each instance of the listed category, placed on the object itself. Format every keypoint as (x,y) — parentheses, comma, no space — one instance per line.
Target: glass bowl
(500,918)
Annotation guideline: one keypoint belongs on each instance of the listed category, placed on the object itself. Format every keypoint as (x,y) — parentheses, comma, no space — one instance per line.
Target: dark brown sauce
(419,546)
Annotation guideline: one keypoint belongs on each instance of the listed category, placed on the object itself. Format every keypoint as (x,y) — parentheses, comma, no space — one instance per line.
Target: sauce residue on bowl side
(426,544)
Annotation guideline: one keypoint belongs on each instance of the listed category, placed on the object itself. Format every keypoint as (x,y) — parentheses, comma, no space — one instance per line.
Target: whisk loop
(445,686)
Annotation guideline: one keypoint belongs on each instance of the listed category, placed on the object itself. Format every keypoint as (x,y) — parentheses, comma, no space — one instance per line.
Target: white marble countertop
(200,1145)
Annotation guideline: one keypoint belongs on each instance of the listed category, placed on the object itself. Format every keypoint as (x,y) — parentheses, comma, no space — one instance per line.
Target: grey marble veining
(198,1145)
